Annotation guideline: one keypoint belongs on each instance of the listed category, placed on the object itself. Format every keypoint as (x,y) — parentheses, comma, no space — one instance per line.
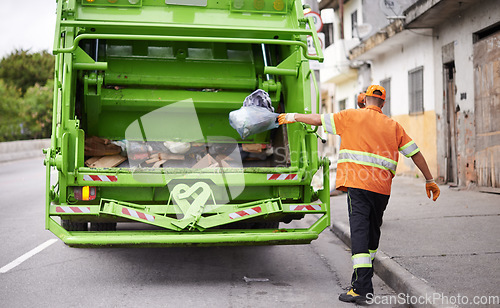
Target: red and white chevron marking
(310,207)
(252,211)
(282,176)
(72,209)
(136,214)
(100,178)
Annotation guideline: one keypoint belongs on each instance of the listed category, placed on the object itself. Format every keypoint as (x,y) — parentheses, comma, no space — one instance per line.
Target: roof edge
(378,38)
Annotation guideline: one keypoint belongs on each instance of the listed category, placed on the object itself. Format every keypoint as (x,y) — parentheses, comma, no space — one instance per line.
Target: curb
(395,276)
(22,149)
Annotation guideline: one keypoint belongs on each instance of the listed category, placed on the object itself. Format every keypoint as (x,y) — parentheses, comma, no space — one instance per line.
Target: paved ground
(60,276)
(453,244)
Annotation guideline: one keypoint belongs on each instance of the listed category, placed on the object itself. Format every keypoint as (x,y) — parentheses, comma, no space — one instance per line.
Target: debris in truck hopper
(215,149)
(177,147)
(137,150)
(163,157)
(153,159)
(253,147)
(209,162)
(89,162)
(105,161)
(158,154)
(169,156)
(205,162)
(96,146)
(159,163)
(256,151)
(122,144)
(222,157)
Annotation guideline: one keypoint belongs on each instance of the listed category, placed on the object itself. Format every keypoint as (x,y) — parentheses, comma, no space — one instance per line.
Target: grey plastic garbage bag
(258,98)
(249,120)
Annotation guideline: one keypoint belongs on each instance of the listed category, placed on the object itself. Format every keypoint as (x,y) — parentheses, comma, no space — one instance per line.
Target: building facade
(439,62)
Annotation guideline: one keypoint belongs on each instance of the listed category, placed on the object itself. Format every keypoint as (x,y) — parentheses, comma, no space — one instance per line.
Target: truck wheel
(103,226)
(74,226)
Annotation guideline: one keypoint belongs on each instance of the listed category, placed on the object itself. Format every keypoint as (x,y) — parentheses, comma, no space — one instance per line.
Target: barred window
(354,24)
(328,30)
(386,83)
(342,104)
(416,90)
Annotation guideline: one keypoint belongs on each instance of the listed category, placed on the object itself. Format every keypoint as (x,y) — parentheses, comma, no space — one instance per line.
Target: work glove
(286,118)
(431,186)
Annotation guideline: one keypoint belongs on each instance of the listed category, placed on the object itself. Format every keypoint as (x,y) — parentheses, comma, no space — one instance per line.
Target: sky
(26,24)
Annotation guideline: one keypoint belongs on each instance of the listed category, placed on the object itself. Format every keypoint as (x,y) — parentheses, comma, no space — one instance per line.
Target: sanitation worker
(361,100)
(367,163)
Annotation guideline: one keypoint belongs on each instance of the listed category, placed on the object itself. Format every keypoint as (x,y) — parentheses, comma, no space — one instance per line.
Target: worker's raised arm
(287,118)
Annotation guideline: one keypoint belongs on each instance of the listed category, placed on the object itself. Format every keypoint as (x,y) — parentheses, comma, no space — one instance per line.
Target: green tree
(24,69)
(10,124)
(36,111)
(26,90)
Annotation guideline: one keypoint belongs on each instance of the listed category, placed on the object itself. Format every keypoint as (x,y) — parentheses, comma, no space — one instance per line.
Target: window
(342,105)
(354,23)
(328,31)
(416,90)
(386,83)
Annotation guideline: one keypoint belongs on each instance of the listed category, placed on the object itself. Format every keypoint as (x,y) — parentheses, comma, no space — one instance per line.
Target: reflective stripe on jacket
(369,147)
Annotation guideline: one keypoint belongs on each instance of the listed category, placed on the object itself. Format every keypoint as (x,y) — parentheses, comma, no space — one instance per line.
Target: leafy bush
(23,69)
(26,92)
(36,111)
(10,99)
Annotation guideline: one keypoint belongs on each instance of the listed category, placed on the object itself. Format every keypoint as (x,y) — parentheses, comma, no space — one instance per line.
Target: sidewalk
(22,149)
(450,247)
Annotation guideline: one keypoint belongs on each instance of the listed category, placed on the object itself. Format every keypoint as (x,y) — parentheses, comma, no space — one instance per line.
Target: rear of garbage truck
(142,152)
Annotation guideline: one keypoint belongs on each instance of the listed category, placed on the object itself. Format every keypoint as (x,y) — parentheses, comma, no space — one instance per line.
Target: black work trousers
(366,209)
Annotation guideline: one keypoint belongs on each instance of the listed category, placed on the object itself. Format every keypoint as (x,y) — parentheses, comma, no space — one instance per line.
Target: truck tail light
(85,193)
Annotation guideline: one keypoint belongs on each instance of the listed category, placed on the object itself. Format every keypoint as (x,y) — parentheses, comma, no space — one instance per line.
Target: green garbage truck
(142,152)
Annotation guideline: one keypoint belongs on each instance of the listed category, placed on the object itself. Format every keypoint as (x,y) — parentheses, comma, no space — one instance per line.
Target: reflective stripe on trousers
(372,253)
(361,260)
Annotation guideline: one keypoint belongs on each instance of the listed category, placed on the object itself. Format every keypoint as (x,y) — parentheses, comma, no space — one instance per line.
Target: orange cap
(373,88)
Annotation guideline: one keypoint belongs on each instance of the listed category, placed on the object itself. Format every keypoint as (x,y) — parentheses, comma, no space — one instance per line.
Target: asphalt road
(60,276)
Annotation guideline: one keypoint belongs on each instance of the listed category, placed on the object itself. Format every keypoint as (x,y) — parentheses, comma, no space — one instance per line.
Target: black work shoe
(352,297)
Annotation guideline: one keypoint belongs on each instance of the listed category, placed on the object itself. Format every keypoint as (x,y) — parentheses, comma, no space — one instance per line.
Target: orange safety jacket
(369,147)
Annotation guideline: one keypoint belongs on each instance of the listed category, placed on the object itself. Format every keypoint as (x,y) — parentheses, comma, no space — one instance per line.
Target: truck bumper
(161,238)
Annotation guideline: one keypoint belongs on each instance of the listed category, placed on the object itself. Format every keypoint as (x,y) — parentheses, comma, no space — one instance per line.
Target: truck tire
(103,226)
(74,226)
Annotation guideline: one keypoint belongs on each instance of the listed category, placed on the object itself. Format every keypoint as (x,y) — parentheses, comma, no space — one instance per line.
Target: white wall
(336,55)
(347,91)
(336,62)
(396,64)
(349,8)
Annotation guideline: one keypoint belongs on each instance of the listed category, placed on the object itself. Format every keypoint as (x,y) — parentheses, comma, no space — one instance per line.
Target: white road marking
(26,256)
